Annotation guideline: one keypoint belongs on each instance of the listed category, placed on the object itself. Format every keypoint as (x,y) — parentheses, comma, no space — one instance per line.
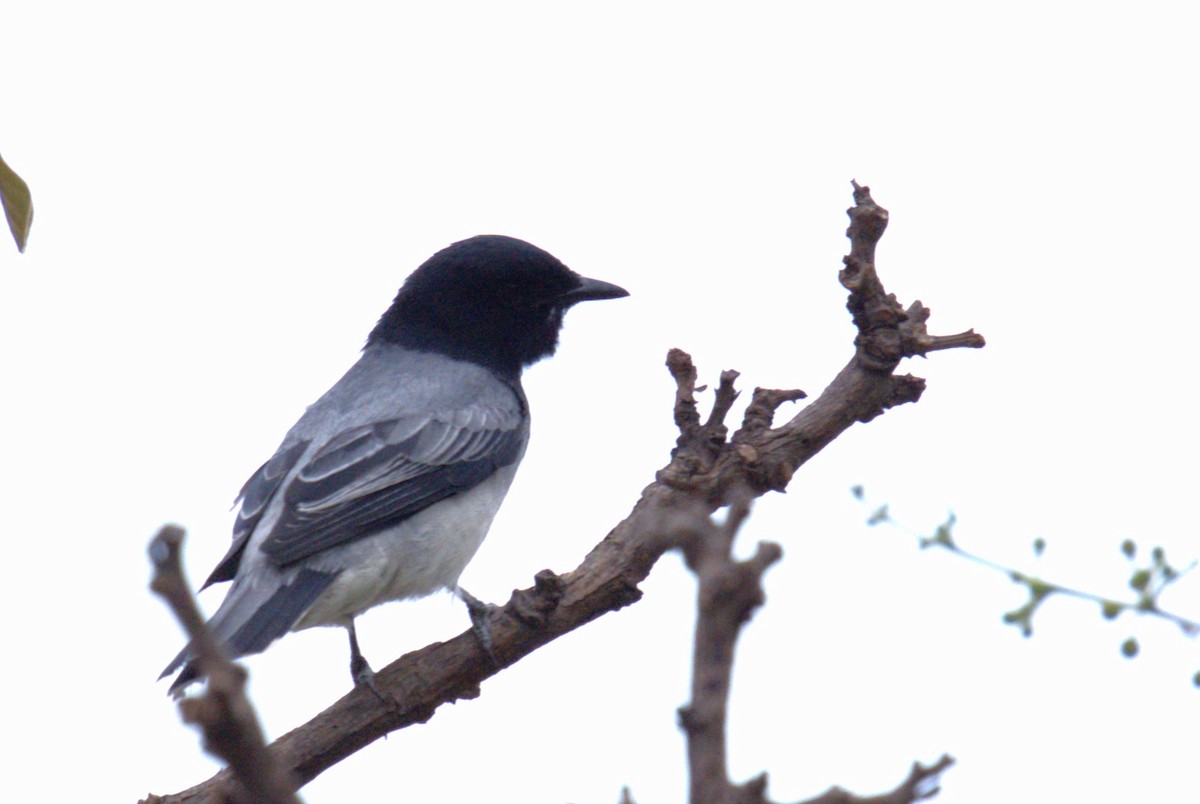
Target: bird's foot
(480,612)
(360,671)
(364,676)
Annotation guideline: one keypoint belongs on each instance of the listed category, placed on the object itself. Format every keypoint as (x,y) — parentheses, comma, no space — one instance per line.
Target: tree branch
(223,713)
(921,784)
(728,593)
(1148,581)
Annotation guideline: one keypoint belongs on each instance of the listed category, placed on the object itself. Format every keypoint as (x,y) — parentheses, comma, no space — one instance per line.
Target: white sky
(227,197)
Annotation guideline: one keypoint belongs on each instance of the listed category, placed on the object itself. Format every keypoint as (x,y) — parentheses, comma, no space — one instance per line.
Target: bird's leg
(360,671)
(479,612)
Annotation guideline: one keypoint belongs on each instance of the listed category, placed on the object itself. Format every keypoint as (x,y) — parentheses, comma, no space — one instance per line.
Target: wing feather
(376,475)
(254,497)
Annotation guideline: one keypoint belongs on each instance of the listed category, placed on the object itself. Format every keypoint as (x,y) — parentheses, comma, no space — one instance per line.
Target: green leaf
(1140,580)
(18,204)
(880,515)
(1039,546)
(1110,609)
(1196,679)
(1129,648)
(942,535)
(1129,548)
(1021,618)
(1039,589)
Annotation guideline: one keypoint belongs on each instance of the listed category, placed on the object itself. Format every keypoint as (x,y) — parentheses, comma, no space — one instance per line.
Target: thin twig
(223,713)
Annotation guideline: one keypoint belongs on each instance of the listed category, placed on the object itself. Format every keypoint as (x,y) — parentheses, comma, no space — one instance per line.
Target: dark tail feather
(274,618)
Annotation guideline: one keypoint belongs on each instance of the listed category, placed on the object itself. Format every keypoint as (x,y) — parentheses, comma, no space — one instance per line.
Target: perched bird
(386,486)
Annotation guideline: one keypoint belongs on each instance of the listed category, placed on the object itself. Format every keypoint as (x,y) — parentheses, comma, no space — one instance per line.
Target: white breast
(421,555)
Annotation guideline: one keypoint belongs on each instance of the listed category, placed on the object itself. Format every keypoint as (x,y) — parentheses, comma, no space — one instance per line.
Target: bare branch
(223,713)
(728,593)
(687,418)
(725,397)
(921,784)
(760,413)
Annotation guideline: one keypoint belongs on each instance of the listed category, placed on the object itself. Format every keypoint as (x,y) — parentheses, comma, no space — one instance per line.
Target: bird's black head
(493,300)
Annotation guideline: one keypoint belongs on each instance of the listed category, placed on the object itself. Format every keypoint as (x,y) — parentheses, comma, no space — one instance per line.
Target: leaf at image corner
(18,204)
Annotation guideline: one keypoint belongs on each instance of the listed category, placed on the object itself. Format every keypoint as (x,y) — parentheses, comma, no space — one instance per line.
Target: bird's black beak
(593,290)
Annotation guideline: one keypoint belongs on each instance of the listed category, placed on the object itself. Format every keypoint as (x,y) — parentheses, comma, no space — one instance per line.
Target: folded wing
(371,477)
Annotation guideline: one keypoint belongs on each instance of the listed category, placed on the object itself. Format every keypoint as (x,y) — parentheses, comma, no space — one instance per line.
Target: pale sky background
(228,195)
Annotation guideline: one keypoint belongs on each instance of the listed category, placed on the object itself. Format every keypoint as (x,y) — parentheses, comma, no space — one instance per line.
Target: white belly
(421,555)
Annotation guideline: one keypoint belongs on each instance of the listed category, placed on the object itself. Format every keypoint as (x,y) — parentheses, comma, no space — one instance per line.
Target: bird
(386,486)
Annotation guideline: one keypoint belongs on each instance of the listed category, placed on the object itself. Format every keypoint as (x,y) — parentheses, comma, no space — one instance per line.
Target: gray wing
(254,498)
(370,477)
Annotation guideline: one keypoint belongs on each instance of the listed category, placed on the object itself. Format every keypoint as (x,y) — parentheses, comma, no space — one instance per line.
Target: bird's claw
(480,612)
(364,676)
